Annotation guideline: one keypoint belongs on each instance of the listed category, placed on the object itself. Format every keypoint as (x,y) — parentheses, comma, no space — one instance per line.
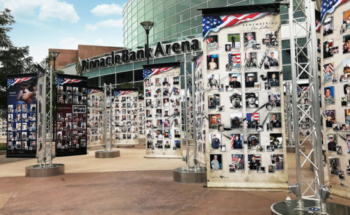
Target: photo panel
(345,25)
(273,78)
(276,141)
(215,140)
(237,141)
(334,164)
(328,71)
(346,67)
(212,62)
(234,61)
(277,161)
(275,120)
(237,163)
(215,120)
(271,38)
(216,162)
(234,41)
(254,142)
(213,101)
(274,99)
(330,118)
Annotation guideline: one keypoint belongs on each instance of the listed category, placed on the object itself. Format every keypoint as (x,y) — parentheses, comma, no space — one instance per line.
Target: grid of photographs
(335,89)
(95,106)
(21,116)
(242,98)
(3,128)
(142,118)
(126,116)
(200,110)
(71,125)
(163,114)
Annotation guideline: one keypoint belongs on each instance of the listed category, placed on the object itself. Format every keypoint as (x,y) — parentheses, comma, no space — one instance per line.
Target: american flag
(198,62)
(119,93)
(147,73)
(91,91)
(215,23)
(235,158)
(232,140)
(257,157)
(318,26)
(13,81)
(328,6)
(63,81)
(207,40)
(252,115)
(238,56)
(330,66)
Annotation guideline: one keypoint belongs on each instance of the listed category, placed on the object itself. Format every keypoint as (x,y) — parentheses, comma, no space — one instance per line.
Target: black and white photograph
(236,101)
(252,100)
(328,26)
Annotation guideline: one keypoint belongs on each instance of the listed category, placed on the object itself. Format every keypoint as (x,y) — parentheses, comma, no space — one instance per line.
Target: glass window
(158,18)
(285,44)
(149,6)
(124,77)
(140,4)
(141,13)
(149,16)
(156,2)
(138,65)
(196,21)
(108,79)
(165,60)
(195,2)
(106,71)
(93,82)
(286,56)
(158,9)
(197,30)
(183,16)
(169,12)
(195,11)
(217,4)
(170,31)
(184,26)
(138,74)
(158,27)
(184,33)
(124,67)
(93,73)
(170,21)
(169,3)
(184,5)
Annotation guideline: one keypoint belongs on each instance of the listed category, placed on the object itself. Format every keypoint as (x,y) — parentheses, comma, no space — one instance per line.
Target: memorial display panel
(245,146)
(333,64)
(22,115)
(142,117)
(126,116)
(71,119)
(95,104)
(163,110)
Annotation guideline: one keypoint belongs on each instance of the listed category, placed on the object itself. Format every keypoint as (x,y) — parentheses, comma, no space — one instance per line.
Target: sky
(44,24)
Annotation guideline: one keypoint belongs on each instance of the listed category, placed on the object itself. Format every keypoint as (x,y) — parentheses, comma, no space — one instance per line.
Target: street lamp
(147,25)
(54,55)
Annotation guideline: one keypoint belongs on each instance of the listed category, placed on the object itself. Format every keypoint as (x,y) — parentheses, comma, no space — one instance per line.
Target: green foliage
(14,60)
(127,85)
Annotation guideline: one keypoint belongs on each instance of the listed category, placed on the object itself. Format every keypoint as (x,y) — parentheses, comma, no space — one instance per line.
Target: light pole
(54,55)
(147,25)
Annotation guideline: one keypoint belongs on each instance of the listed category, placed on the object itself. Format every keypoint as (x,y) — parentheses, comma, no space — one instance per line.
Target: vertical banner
(142,118)
(95,102)
(126,117)
(21,115)
(71,121)
(243,85)
(199,110)
(163,106)
(334,68)
(41,122)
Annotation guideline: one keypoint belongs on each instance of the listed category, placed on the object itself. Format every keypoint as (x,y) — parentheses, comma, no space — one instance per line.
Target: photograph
(237,162)
(252,100)
(271,38)
(215,120)
(254,161)
(253,141)
(274,99)
(234,61)
(250,78)
(334,164)
(277,160)
(275,120)
(237,141)
(276,141)
(328,26)
(346,44)
(212,43)
(327,49)
(271,59)
(212,62)
(330,118)
(346,67)
(215,140)
(329,95)
(252,120)
(328,71)
(346,21)
(249,40)
(215,162)
(236,101)
(213,101)
(273,78)
(234,40)
(236,120)
(235,80)
(213,81)
(250,60)
(228,47)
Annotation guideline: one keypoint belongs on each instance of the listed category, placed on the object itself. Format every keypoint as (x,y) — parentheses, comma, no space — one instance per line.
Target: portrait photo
(227,47)
(236,120)
(327,49)
(250,79)
(271,38)
(329,95)
(276,140)
(346,21)
(212,43)
(275,120)
(273,78)
(215,140)
(274,99)
(330,118)
(328,71)
(252,100)
(215,120)
(334,164)
(215,162)
(254,161)
(253,141)
(236,101)
(277,160)
(328,26)
(249,39)
(235,80)
(237,141)
(271,59)
(213,81)
(252,120)
(234,61)
(251,60)
(234,40)
(213,101)
(212,62)
(237,163)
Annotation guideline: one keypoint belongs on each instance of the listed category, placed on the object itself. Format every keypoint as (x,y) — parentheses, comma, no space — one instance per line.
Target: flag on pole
(215,23)
(147,73)
(328,6)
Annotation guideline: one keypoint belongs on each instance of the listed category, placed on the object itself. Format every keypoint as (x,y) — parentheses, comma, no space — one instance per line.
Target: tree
(13,60)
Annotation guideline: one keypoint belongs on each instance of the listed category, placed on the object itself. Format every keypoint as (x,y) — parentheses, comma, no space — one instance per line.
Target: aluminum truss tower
(305,189)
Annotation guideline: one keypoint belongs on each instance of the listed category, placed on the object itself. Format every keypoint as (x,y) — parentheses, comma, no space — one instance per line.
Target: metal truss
(288,111)
(306,189)
(108,117)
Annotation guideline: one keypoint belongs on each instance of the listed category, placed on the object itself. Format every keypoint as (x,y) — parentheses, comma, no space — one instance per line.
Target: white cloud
(70,43)
(110,23)
(99,42)
(43,9)
(107,9)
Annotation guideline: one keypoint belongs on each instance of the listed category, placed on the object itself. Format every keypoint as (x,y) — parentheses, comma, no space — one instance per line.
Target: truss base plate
(48,171)
(103,154)
(189,176)
(283,208)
